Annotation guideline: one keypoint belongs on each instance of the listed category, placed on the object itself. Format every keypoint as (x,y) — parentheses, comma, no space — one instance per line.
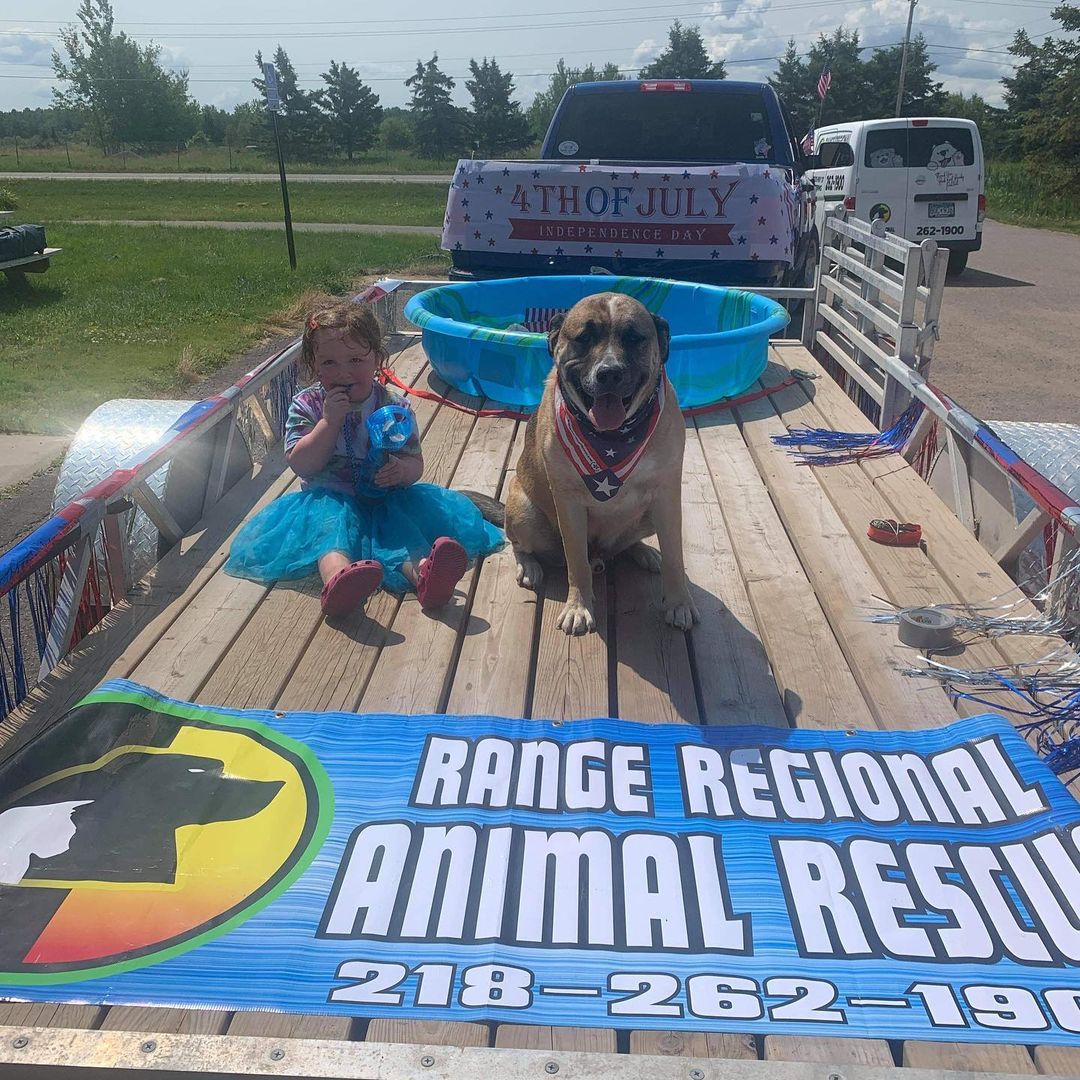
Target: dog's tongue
(607,412)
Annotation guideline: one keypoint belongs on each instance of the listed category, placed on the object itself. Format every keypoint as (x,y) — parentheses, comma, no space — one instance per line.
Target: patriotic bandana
(604,459)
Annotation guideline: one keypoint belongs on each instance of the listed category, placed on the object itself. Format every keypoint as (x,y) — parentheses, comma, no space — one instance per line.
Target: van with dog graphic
(924,178)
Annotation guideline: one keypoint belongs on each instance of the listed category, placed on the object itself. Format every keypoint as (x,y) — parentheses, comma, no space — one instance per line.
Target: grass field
(45,201)
(81,158)
(1018,193)
(145,312)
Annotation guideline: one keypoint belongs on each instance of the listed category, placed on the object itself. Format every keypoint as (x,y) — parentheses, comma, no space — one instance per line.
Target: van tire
(957,263)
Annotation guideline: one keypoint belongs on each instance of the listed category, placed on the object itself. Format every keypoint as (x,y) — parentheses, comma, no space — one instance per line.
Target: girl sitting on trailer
(360,518)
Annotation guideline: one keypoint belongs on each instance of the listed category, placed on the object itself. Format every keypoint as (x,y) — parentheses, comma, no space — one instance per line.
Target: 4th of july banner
(740,212)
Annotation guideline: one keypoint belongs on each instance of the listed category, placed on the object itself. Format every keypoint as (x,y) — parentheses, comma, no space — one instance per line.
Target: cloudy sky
(216,42)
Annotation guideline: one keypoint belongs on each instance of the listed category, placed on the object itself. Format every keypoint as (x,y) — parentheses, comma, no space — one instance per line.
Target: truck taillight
(665,84)
(849,203)
(982,207)
(920,123)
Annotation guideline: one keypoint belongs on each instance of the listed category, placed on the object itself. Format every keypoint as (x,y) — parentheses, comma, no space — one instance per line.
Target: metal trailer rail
(875,327)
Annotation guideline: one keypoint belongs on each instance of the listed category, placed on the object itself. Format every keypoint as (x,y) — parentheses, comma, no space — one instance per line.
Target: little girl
(408,535)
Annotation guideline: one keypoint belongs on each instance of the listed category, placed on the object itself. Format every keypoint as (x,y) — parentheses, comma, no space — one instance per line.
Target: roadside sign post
(273,104)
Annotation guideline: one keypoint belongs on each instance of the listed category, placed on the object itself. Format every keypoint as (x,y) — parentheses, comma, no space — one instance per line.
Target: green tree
(795,83)
(922,95)
(351,109)
(547,101)
(396,130)
(496,122)
(303,122)
(119,85)
(1044,94)
(436,120)
(684,58)
(849,90)
(213,123)
(992,122)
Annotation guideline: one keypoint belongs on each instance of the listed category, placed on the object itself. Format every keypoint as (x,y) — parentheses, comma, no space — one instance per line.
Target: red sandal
(350,587)
(442,570)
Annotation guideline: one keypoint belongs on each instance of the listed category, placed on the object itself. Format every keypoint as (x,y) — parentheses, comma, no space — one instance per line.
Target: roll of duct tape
(926,628)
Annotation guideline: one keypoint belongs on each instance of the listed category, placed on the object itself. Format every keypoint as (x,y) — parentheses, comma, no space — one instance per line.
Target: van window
(836,155)
(940,147)
(695,126)
(886,148)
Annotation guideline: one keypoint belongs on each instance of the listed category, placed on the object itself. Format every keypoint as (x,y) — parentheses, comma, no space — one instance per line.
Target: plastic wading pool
(719,336)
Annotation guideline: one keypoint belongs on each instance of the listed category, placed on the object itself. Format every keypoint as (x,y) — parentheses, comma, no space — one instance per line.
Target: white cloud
(26,48)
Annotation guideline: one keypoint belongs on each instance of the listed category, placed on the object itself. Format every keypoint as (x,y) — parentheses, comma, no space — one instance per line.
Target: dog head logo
(128,835)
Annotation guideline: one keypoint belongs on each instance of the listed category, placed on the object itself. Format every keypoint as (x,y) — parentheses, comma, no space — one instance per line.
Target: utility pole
(903,57)
(273,104)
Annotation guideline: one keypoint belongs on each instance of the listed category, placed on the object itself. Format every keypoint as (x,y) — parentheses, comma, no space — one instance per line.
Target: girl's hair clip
(313,323)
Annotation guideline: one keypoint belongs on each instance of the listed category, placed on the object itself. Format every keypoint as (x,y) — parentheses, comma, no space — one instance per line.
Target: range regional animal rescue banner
(714,213)
(600,873)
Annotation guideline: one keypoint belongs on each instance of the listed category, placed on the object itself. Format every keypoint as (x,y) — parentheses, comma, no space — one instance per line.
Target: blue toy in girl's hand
(389,430)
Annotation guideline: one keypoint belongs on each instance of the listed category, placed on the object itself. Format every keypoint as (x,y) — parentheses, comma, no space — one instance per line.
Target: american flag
(824,81)
(807,143)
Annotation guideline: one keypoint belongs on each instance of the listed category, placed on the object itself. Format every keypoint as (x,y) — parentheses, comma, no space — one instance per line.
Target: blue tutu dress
(286,539)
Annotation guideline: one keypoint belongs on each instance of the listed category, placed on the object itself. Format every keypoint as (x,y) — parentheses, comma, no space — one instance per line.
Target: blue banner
(900,885)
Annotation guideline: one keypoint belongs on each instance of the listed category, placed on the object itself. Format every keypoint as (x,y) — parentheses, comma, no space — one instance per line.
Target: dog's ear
(663,336)
(554,326)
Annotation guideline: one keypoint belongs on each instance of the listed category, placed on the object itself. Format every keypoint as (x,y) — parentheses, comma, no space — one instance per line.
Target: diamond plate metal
(1051,449)
(110,435)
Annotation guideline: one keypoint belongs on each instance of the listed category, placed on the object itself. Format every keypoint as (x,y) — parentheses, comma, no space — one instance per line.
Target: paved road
(239,178)
(298,226)
(1010,325)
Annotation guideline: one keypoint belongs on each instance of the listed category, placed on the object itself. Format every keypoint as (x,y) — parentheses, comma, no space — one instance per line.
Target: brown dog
(601,466)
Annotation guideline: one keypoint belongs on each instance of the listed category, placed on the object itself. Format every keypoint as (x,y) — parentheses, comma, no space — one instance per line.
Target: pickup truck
(646,137)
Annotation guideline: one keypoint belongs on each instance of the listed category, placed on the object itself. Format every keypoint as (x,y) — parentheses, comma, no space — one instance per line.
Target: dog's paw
(530,574)
(577,619)
(680,612)
(648,558)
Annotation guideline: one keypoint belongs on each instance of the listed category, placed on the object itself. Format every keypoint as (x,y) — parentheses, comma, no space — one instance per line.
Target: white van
(924,178)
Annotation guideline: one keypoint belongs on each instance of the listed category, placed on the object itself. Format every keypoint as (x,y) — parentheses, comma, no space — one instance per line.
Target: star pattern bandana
(604,459)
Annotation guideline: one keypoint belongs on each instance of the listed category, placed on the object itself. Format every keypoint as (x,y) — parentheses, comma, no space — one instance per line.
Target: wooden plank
(167,1021)
(260,661)
(502,612)
(845,584)
(828,1050)
(411,676)
(31,1014)
(696,1044)
(542,1037)
(895,249)
(813,678)
(1057,1060)
(571,680)
(906,575)
(290,1025)
(428,1032)
(728,658)
(653,677)
(969,1057)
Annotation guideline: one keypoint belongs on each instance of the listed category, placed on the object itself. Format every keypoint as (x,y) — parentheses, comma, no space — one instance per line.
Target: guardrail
(878,302)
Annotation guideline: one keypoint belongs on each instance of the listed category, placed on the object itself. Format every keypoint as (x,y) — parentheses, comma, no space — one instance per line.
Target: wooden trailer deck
(782,573)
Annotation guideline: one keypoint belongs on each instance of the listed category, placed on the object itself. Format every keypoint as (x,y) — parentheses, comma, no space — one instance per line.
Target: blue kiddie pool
(488,338)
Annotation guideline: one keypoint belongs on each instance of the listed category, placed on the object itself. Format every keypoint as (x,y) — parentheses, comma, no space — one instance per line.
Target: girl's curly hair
(357,320)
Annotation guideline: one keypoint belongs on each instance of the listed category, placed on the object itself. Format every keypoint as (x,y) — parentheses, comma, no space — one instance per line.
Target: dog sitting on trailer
(601,465)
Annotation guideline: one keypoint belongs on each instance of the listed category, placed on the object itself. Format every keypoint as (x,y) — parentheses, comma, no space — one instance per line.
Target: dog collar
(604,459)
